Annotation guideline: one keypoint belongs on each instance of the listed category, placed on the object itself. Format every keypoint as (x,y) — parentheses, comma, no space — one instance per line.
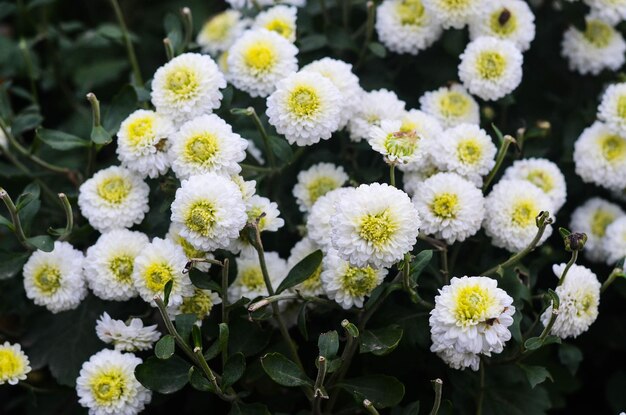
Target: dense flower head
(592,218)
(318,220)
(506,19)
(456,13)
(317,181)
(14,364)
(173,234)
(220,31)
(610,11)
(373,107)
(398,144)
(126,337)
(615,241)
(265,214)
(612,109)
(249,282)
(451,106)
(200,303)
(280,19)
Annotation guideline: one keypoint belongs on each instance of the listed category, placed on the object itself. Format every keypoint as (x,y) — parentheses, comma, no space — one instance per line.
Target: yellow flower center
(613,147)
(122,268)
(598,33)
(11,364)
(157,275)
(490,65)
(454,104)
(304,101)
(199,304)
(600,220)
(586,304)
(201,217)
(48,279)
(253,214)
(280,26)
(217,28)
(378,229)
(411,12)
(252,278)
(183,82)
(451,5)
(471,303)
(358,282)
(524,213)
(201,149)
(541,179)
(260,57)
(402,143)
(114,189)
(469,151)
(503,22)
(140,131)
(445,205)
(108,386)
(320,186)
(621,107)
(190,251)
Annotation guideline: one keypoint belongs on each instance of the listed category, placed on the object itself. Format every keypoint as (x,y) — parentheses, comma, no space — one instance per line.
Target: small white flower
(471,316)
(249,282)
(109,264)
(490,67)
(610,11)
(55,279)
(451,207)
(615,241)
(187,86)
(312,286)
(511,210)
(114,198)
(14,364)
(427,127)
(317,181)
(348,284)
(246,187)
(456,13)
(599,47)
(406,26)
(200,303)
(159,262)
(210,209)
(220,31)
(466,150)
(579,297)
(612,109)
(592,218)
(125,337)
(396,144)
(542,173)
(107,385)
(451,106)
(318,221)
(305,108)
(258,60)
(506,19)
(374,225)
(373,107)
(206,144)
(270,220)
(600,157)
(280,19)
(173,234)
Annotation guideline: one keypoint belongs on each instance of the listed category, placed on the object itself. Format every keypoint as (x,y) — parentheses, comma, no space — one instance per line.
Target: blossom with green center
(512,20)
(592,218)
(200,303)
(220,31)
(280,19)
(48,279)
(398,146)
(14,364)
(490,65)
(316,181)
(200,217)
(114,190)
(304,101)
(469,151)
(451,106)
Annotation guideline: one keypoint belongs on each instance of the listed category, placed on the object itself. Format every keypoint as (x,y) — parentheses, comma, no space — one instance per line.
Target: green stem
(325,12)
(481,392)
(225,309)
(318,389)
(508,140)
(188,27)
(266,139)
(569,264)
(169,50)
(29,70)
(369,30)
(130,49)
(95,109)
(15,218)
(369,407)
(392,174)
(69,217)
(347,5)
(172,330)
(617,272)
(438,386)
(207,370)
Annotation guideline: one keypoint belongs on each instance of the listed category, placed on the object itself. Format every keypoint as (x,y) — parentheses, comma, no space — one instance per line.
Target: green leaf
(223,337)
(233,369)
(328,344)
(418,265)
(26,121)
(100,136)
(554,298)
(11,264)
(412,409)
(240,408)
(312,42)
(184,322)
(164,348)
(202,280)
(380,342)
(27,213)
(42,242)
(283,371)
(163,376)
(123,103)
(383,391)
(498,133)
(551,339)
(29,194)
(247,337)
(6,9)
(5,222)
(569,355)
(377,49)
(198,381)
(167,290)
(535,374)
(59,140)
(281,148)
(533,343)
(302,271)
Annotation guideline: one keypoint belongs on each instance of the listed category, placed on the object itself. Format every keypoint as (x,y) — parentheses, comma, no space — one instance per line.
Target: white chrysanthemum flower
(280,19)
(451,207)
(413,178)
(544,174)
(114,198)
(109,264)
(318,221)
(451,106)
(511,210)
(55,279)
(340,74)
(159,262)
(490,67)
(255,152)
(374,225)
(506,19)
(611,11)
(143,142)
(579,297)
(210,209)
(592,218)
(305,108)
(126,337)
(348,284)
(249,282)
(612,109)
(258,60)
(599,47)
(312,286)
(206,144)
(187,86)
(270,221)
(107,385)
(456,13)
(200,303)
(466,150)
(396,144)
(14,364)
(173,234)
(471,315)
(423,124)
(406,26)
(373,107)
(220,31)
(246,187)
(316,181)
(600,157)
(615,241)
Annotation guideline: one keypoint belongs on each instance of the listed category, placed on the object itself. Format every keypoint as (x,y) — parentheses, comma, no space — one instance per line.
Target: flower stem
(172,330)
(169,50)
(569,264)
(29,70)
(225,309)
(508,140)
(15,218)
(207,370)
(69,217)
(369,407)
(437,385)
(369,30)
(95,108)
(392,174)
(187,25)
(318,389)
(481,392)
(251,112)
(130,49)
(325,12)
(617,272)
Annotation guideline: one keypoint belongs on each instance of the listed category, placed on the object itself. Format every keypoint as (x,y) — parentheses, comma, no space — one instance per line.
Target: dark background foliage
(75,47)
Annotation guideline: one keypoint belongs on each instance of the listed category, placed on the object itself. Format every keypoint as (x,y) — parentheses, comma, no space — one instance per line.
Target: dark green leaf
(247,337)
(328,344)
(377,49)
(381,341)
(26,121)
(418,265)
(163,376)
(233,370)
(121,106)
(302,271)
(498,134)
(59,140)
(533,343)
(281,148)
(203,281)
(184,322)
(6,9)
(570,356)
(100,136)
(535,374)
(302,317)
(5,222)
(11,264)
(312,42)
(223,337)
(30,193)
(167,290)
(198,381)
(42,242)
(240,408)
(283,371)
(383,391)
(554,298)
(164,348)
